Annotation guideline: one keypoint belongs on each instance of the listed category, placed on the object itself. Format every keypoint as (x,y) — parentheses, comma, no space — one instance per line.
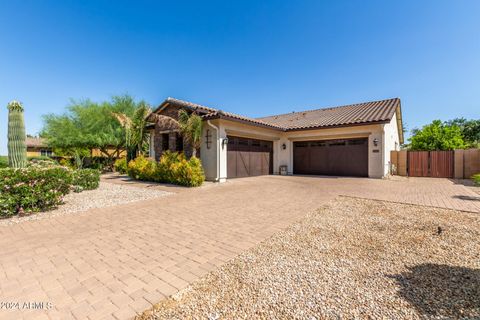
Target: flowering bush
(41,186)
(85,179)
(120,165)
(172,168)
(32,189)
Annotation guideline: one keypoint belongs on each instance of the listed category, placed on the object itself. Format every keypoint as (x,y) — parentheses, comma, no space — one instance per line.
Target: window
(164,141)
(46,153)
(354,142)
(301,144)
(317,144)
(338,143)
(179,143)
(243,142)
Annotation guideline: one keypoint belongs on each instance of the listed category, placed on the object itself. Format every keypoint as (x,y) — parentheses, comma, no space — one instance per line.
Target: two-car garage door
(346,157)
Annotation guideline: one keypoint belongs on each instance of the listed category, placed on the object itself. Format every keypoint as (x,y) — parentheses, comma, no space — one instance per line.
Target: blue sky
(250,57)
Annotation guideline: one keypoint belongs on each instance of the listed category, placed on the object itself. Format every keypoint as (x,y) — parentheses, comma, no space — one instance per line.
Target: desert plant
(191,129)
(172,168)
(32,189)
(85,179)
(17,150)
(3,162)
(136,136)
(120,165)
(476,179)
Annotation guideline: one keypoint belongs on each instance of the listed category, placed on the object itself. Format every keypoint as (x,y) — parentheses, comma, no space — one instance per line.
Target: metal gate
(438,164)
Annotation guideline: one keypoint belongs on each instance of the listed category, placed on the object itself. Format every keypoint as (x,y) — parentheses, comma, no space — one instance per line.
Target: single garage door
(249,157)
(346,157)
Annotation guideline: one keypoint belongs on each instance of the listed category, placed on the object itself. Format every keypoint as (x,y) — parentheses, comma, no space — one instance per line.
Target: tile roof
(360,113)
(35,142)
(353,114)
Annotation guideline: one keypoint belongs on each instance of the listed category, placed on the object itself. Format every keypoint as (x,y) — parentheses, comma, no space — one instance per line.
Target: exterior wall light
(224,142)
(375,142)
(284,146)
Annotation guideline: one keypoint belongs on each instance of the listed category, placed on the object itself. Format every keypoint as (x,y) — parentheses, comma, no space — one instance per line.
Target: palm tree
(191,129)
(136,137)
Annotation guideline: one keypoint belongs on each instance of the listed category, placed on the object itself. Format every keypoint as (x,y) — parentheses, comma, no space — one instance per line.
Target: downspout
(217,130)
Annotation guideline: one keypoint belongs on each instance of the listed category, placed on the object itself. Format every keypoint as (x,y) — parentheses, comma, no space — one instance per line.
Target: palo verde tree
(87,125)
(17,151)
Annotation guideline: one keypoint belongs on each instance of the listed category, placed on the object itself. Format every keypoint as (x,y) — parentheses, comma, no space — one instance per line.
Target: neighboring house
(37,147)
(351,140)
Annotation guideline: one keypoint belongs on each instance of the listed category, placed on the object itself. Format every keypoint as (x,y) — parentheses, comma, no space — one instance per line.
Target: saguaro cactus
(17,151)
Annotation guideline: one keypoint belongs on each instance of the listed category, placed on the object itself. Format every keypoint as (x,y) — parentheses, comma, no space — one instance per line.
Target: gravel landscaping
(107,194)
(352,258)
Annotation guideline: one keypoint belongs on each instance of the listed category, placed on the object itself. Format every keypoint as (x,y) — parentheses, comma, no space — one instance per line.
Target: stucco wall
(378,156)
(285,157)
(392,142)
(208,154)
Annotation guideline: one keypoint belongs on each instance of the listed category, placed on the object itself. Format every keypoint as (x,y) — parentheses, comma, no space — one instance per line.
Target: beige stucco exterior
(215,163)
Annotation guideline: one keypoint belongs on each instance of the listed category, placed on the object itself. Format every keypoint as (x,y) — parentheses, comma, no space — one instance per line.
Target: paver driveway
(113,262)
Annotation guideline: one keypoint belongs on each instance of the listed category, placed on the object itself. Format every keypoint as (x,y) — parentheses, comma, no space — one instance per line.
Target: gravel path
(351,259)
(108,194)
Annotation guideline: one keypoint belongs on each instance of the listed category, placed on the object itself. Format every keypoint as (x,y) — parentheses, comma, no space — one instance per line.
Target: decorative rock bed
(352,259)
(108,194)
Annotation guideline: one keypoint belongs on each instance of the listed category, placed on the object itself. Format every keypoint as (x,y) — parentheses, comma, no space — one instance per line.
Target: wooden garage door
(249,157)
(346,157)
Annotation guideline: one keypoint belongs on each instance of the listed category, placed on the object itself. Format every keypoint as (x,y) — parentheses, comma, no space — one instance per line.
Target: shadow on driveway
(468,198)
(443,291)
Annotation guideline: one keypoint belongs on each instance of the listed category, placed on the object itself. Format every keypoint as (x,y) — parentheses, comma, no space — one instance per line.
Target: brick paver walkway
(115,262)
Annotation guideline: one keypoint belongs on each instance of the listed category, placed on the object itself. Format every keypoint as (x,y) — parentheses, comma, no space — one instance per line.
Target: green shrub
(120,165)
(3,161)
(67,162)
(85,179)
(41,162)
(142,168)
(33,158)
(32,189)
(103,164)
(172,168)
(476,179)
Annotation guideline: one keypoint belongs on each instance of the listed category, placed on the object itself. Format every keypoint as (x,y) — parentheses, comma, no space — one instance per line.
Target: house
(37,147)
(350,140)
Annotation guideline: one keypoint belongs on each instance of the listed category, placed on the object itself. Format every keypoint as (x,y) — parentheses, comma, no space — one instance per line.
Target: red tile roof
(360,113)
(35,142)
(354,114)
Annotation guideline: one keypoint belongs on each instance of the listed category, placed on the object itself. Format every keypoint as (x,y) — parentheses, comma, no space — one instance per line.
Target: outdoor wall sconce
(224,142)
(208,139)
(284,146)
(375,142)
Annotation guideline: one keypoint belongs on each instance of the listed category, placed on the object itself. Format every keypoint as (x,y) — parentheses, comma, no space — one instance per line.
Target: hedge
(40,187)
(172,168)
(32,189)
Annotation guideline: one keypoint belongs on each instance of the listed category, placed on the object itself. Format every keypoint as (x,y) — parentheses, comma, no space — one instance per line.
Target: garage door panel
(248,157)
(243,163)
(348,157)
